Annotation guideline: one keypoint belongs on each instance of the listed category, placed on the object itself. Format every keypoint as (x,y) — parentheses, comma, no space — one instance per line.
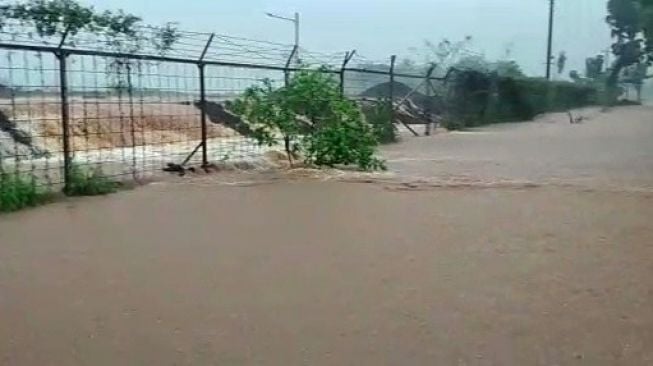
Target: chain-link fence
(78,101)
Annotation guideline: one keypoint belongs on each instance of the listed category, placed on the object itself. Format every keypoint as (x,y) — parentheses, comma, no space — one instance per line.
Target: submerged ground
(516,244)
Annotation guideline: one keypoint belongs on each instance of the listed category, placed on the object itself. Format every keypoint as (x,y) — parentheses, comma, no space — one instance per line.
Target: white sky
(378,28)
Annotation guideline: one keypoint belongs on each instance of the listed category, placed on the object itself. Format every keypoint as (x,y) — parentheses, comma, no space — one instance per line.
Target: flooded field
(516,244)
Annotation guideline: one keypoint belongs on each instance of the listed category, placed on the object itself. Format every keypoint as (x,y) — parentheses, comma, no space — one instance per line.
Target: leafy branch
(122,32)
(311,117)
(58,17)
(268,113)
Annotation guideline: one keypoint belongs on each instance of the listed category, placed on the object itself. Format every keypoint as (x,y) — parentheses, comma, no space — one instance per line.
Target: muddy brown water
(520,244)
(607,149)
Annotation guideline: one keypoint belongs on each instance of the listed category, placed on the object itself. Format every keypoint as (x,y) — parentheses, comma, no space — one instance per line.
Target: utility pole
(294,20)
(549,49)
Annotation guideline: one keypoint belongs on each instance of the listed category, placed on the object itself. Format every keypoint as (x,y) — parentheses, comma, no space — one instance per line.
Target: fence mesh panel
(30,118)
(132,110)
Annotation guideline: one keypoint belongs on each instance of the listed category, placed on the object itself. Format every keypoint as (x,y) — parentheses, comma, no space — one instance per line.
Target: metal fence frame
(62,53)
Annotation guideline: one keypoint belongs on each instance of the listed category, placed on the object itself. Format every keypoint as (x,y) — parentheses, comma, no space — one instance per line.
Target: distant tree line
(631,23)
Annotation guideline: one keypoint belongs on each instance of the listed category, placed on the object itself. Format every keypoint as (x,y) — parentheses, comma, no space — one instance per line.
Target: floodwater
(516,244)
(613,149)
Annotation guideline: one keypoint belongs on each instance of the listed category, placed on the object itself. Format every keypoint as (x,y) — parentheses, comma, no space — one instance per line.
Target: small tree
(379,116)
(561,62)
(575,76)
(509,69)
(343,139)
(122,32)
(311,117)
(312,94)
(506,68)
(444,54)
(635,75)
(646,16)
(268,113)
(629,20)
(594,67)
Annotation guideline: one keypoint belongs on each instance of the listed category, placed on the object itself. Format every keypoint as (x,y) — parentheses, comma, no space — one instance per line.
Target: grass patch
(17,193)
(89,182)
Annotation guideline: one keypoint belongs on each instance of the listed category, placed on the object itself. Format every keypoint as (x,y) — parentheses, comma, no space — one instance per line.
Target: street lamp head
(294,20)
(281,17)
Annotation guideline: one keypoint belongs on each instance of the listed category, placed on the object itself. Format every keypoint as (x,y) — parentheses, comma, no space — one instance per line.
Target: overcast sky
(378,28)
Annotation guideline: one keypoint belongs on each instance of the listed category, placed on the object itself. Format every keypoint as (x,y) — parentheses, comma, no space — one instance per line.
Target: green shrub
(543,96)
(268,112)
(311,94)
(343,139)
(513,103)
(312,118)
(453,124)
(17,193)
(477,98)
(379,116)
(469,98)
(84,182)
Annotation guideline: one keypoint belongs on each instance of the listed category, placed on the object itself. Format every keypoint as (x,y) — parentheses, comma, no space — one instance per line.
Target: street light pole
(295,21)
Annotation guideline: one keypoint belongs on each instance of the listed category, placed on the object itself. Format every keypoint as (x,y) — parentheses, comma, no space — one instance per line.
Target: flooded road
(606,149)
(517,244)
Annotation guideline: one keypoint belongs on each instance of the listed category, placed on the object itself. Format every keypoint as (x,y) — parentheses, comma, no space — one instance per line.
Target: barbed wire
(145,41)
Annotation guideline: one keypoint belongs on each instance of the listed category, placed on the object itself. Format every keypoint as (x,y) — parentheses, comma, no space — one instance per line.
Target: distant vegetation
(631,27)
(476,98)
(477,91)
(631,23)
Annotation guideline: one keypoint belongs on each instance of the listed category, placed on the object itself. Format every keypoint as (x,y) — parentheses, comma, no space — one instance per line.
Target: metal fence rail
(71,102)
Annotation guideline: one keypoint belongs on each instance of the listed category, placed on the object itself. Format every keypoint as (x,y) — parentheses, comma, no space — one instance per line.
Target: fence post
(202,66)
(429,104)
(348,57)
(286,69)
(205,157)
(65,118)
(391,91)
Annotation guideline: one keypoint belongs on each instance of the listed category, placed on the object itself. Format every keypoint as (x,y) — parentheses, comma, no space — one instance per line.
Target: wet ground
(519,244)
